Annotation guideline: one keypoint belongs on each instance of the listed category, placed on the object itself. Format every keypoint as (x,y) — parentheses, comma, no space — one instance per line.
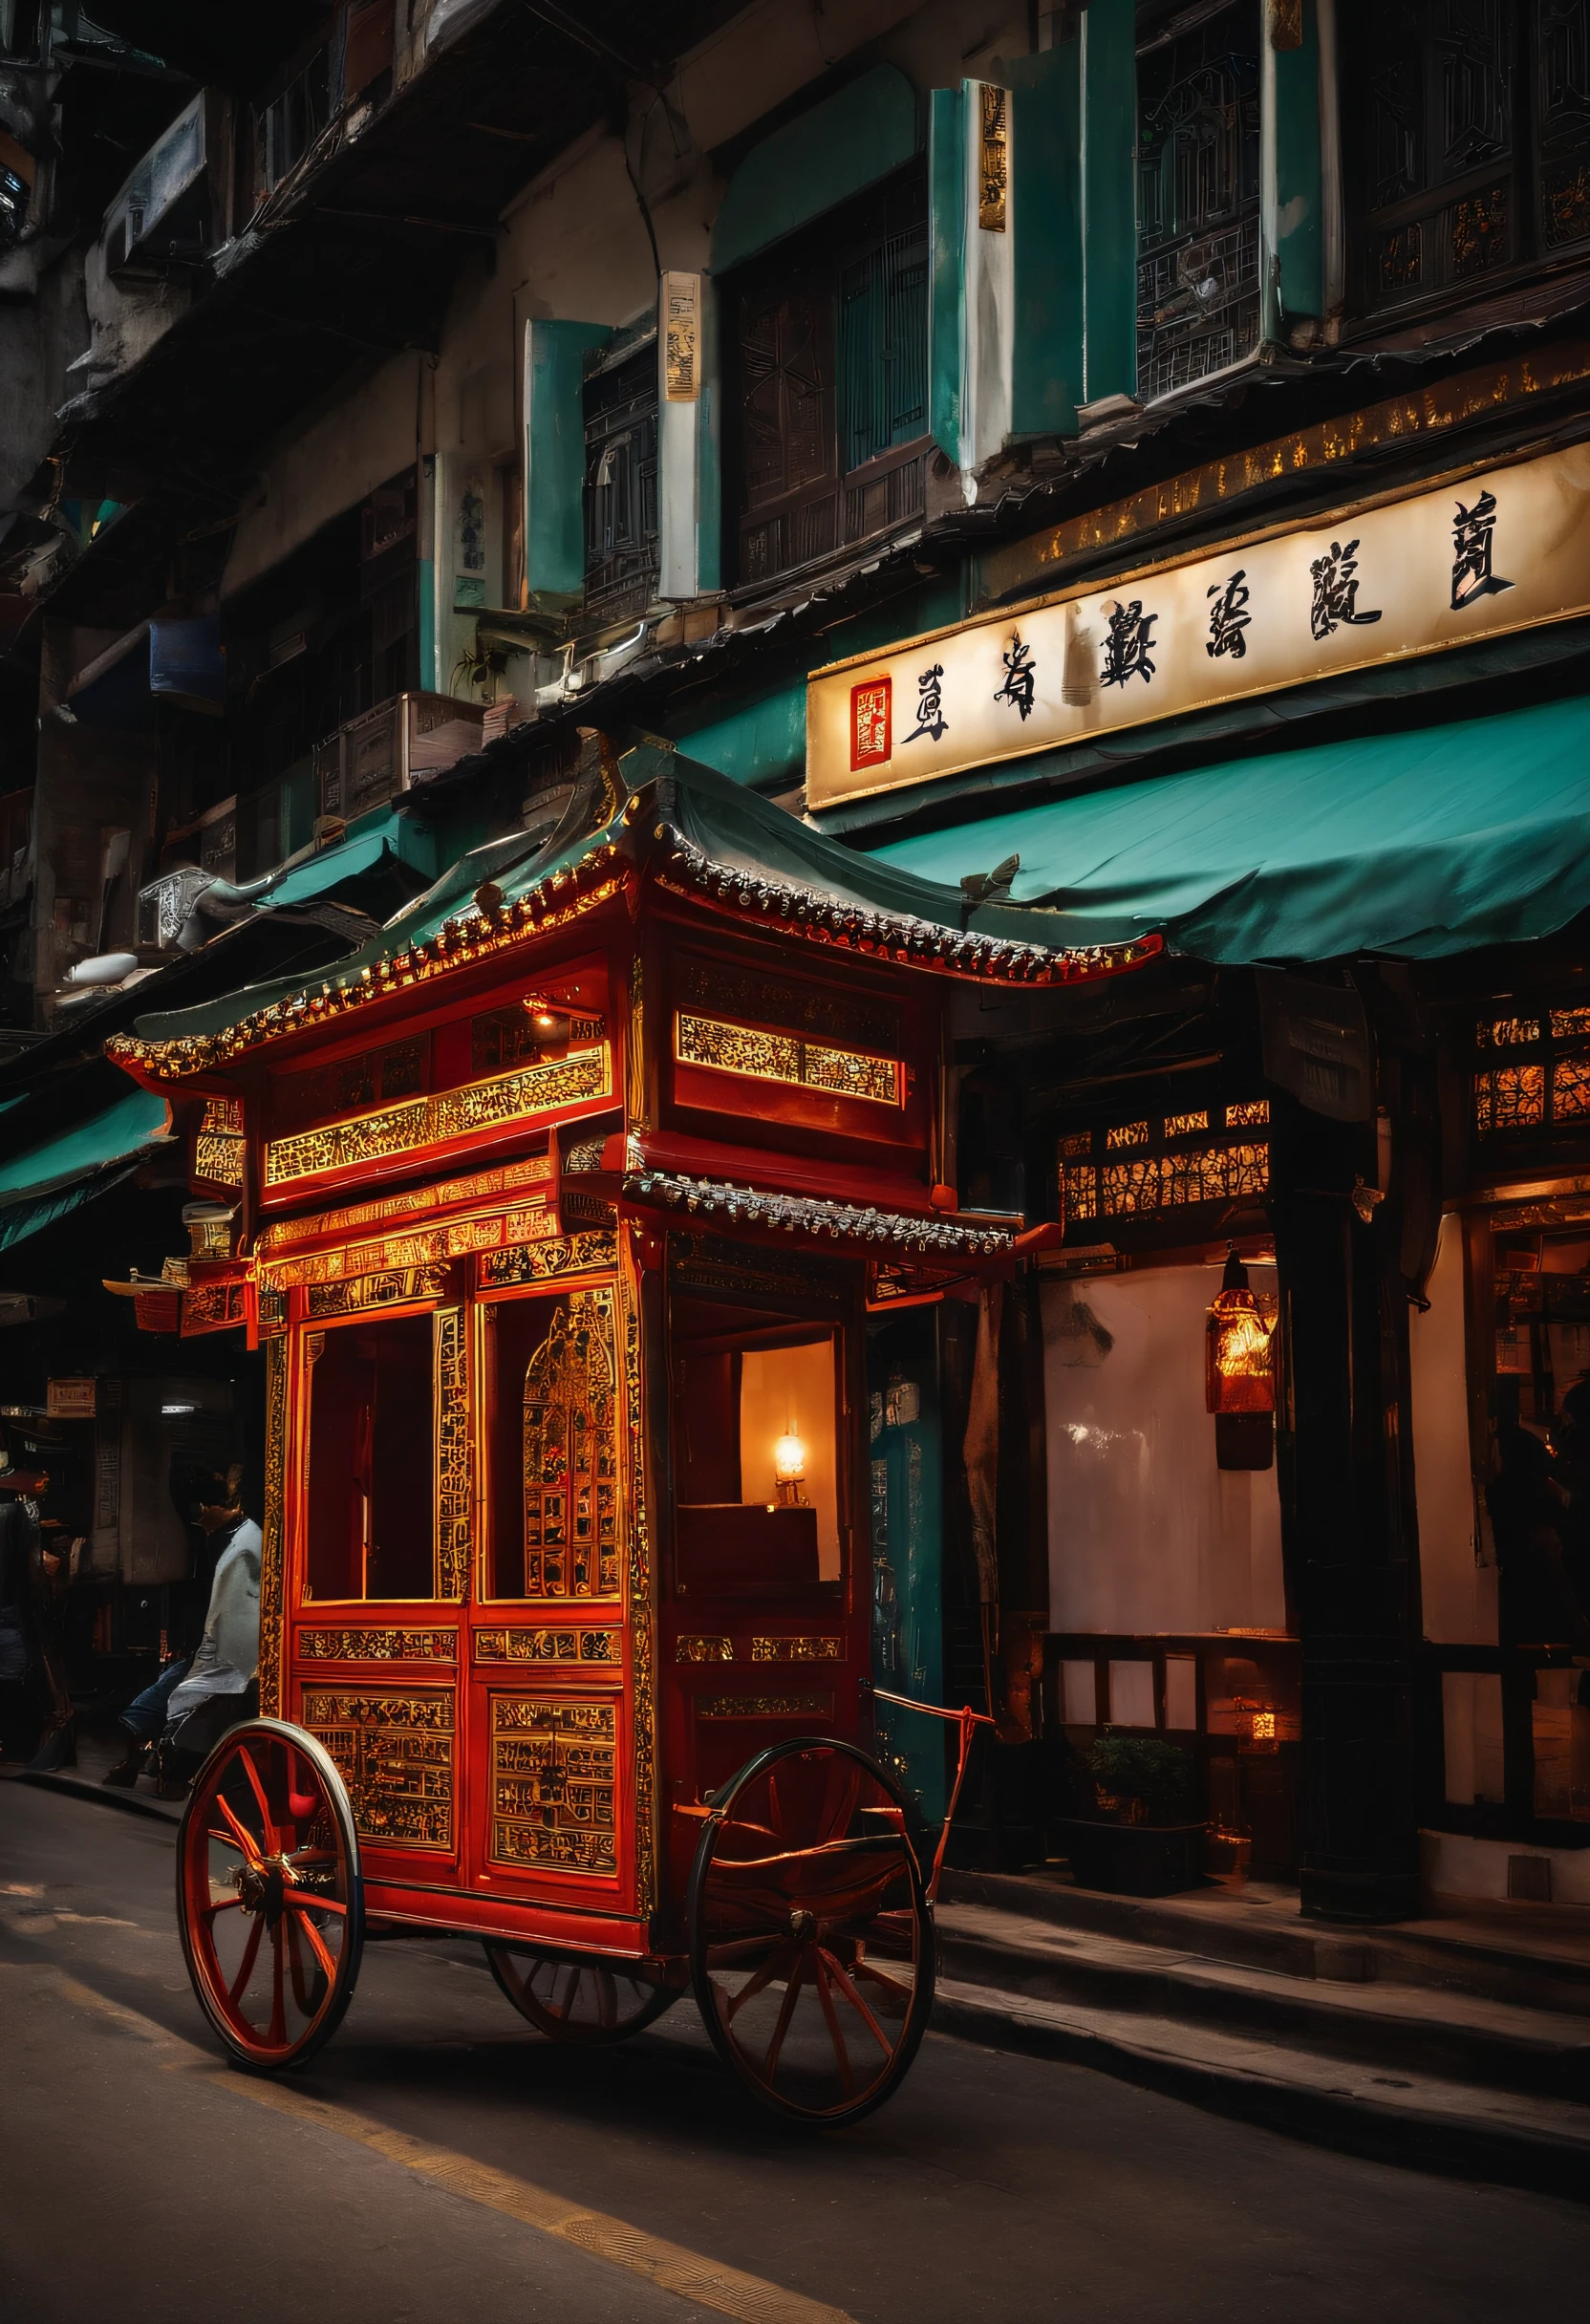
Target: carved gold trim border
(376,1645)
(388,1287)
(692,1646)
(561,1644)
(506,1180)
(272,1542)
(763,1705)
(642,1622)
(593,1252)
(533,1221)
(454,1454)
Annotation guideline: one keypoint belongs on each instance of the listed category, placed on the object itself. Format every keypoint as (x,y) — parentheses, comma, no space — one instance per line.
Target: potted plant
(1138,1839)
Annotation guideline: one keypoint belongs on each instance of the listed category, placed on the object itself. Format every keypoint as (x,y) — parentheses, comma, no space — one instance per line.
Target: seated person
(222,1667)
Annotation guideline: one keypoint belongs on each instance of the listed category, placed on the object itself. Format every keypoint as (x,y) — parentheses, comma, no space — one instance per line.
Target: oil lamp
(790,1469)
(1239,1381)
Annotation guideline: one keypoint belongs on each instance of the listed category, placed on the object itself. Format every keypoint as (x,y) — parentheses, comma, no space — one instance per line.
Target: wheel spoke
(303,1986)
(230,1904)
(764,1976)
(837,1972)
(316,1940)
(735,1948)
(841,2055)
(246,1968)
(770,2063)
(607,1996)
(271,1839)
(312,1900)
(241,1837)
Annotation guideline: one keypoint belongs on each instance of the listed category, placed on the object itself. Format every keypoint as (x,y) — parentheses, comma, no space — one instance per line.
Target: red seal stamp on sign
(871,718)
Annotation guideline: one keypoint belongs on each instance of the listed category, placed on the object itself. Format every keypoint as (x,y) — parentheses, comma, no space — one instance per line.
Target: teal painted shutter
(1109,69)
(1046,367)
(945,265)
(554,455)
(1298,222)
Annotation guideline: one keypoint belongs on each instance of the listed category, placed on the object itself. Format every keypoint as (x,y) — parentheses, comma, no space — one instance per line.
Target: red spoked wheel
(570,2000)
(269,1899)
(811,1939)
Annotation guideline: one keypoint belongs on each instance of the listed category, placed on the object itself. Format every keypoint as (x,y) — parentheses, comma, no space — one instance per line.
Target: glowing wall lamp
(789,1470)
(1240,1380)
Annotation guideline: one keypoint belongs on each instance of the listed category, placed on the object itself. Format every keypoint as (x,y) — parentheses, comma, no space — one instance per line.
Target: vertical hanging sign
(681,298)
(992,157)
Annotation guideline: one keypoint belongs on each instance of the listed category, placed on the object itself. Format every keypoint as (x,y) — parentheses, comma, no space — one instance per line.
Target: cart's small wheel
(811,1940)
(269,1898)
(579,2001)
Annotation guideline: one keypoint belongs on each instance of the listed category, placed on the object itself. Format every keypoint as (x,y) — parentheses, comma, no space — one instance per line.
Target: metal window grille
(1197,199)
(621,485)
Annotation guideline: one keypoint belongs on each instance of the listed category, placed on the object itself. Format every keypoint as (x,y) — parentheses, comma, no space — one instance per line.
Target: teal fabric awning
(43,1177)
(1417,844)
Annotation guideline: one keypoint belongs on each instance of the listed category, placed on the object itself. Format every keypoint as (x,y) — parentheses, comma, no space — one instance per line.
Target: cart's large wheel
(269,1899)
(578,2001)
(812,1941)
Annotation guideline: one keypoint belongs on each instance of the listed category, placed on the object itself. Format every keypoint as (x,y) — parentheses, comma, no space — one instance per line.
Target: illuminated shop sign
(1478,556)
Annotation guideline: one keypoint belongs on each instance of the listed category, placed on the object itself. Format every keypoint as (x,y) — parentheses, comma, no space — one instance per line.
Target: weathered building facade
(1126,462)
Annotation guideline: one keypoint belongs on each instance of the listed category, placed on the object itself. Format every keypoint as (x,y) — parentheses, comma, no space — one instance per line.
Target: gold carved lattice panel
(394,1752)
(553,1776)
(570,1453)
(432,1121)
(785,1057)
(559,1645)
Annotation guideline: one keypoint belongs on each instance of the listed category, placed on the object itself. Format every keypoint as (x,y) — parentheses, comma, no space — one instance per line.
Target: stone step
(1417,2029)
(1422,2121)
(1531,1955)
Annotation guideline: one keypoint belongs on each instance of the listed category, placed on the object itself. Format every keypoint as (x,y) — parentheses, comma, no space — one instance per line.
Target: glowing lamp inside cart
(790,1469)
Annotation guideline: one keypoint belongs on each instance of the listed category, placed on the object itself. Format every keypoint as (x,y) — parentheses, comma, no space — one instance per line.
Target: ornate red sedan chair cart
(558,1213)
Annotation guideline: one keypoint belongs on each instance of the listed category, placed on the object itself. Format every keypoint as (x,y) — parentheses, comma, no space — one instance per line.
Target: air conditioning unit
(374,758)
(164,209)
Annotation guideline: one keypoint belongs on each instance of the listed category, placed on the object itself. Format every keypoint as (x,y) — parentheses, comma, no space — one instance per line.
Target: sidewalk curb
(1413,2136)
(105,1796)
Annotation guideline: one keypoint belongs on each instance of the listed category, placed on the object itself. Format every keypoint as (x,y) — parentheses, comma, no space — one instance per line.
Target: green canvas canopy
(1418,845)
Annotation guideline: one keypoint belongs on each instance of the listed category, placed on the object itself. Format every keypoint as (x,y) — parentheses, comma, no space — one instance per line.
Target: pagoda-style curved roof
(651,816)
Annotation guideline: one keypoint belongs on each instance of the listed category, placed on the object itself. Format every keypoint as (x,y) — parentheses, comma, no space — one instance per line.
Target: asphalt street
(440,2161)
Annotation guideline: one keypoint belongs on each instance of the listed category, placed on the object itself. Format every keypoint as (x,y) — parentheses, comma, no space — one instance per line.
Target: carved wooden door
(547,1813)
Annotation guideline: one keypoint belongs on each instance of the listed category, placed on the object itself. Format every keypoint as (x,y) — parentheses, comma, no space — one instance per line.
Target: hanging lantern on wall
(1240,1380)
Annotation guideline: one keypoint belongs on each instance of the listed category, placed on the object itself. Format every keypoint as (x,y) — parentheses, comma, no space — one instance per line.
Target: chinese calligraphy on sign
(1132,633)
(1336,591)
(1228,617)
(1467,557)
(930,706)
(1020,678)
(1472,577)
